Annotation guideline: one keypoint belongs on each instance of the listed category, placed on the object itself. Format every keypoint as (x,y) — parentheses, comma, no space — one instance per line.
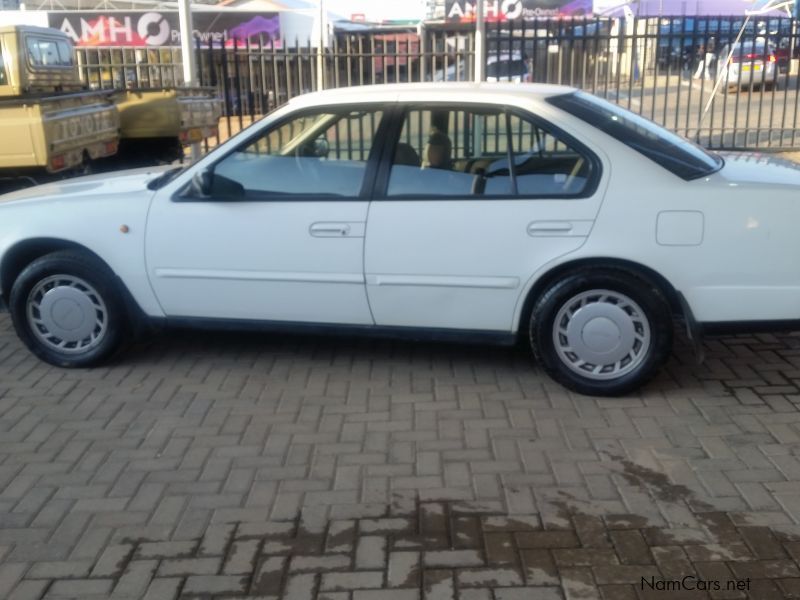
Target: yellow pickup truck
(48,123)
(155,124)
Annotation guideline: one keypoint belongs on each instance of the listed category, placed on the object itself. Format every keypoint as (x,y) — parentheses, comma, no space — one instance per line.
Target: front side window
(483,151)
(315,154)
(48,52)
(676,154)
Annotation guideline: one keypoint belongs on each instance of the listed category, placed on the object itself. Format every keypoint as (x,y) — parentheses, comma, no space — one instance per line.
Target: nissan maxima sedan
(493,212)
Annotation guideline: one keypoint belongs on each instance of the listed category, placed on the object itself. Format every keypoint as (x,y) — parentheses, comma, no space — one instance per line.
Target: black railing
(722,81)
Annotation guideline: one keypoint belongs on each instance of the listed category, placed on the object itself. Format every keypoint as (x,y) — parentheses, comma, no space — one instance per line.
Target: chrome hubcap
(601,334)
(67,314)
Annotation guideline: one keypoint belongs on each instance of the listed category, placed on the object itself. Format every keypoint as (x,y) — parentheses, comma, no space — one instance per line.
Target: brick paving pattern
(253,466)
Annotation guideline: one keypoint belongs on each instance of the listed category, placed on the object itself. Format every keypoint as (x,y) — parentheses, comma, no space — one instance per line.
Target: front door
(280,236)
(476,199)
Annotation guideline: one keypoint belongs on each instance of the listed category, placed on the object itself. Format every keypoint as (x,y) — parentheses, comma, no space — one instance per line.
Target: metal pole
(480,34)
(423,48)
(321,48)
(187,54)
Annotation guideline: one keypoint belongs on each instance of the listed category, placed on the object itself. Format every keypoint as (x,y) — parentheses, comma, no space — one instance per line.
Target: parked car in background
(457,70)
(490,212)
(750,64)
(784,53)
(507,67)
(499,67)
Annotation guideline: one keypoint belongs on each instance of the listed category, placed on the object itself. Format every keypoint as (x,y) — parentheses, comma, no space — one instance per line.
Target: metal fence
(724,82)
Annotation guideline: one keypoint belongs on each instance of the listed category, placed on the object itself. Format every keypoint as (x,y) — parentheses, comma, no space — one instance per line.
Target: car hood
(757,169)
(113,183)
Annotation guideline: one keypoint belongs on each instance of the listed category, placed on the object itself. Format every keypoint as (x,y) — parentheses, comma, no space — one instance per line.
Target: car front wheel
(67,309)
(601,333)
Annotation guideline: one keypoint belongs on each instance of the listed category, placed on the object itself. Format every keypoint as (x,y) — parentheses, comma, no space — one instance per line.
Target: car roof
(437,91)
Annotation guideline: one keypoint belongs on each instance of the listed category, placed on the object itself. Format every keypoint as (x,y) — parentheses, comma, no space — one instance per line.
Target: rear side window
(47,52)
(676,154)
(486,151)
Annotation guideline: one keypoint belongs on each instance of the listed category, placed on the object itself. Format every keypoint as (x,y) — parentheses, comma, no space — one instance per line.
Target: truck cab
(48,122)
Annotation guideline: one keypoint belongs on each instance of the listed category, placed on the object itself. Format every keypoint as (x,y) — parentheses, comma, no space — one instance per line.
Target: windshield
(676,154)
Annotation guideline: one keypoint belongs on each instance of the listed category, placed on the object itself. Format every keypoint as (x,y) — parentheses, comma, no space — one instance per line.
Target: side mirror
(321,147)
(207,184)
(202,182)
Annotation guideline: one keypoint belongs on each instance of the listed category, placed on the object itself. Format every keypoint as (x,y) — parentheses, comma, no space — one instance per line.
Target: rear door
(454,234)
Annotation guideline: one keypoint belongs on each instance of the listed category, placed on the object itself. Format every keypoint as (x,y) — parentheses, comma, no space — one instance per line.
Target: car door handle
(549,227)
(575,228)
(329,229)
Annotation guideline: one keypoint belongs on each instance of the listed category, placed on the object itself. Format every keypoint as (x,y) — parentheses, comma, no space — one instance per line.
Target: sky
(373,10)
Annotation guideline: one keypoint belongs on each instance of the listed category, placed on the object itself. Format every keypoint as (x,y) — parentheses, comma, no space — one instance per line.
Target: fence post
(480,34)
(187,55)
(423,48)
(321,48)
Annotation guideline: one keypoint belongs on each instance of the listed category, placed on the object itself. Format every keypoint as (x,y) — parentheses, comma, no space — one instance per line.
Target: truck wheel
(601,332)
(68,310)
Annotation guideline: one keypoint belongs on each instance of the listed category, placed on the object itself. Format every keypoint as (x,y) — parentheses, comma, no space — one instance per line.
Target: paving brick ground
(227,465)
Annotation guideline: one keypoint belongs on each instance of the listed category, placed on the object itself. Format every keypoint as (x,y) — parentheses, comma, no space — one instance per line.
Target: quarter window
(483,152)
(316,154)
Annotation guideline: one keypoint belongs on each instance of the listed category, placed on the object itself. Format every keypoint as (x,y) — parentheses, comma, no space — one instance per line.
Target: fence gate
(723,82)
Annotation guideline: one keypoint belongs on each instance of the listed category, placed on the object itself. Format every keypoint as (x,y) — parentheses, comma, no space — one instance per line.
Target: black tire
(655,310)
(73,264)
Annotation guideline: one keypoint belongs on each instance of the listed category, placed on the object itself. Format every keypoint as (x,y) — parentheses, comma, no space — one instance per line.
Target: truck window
(44,52)
(3,78)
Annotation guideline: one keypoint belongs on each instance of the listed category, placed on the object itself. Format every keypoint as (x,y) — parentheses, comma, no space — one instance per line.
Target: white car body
(726,243)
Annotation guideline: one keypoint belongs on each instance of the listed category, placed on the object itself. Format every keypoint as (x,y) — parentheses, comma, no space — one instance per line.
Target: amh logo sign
(160,28)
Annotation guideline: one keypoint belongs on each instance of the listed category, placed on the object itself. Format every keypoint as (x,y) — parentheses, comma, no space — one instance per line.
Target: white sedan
(450,211)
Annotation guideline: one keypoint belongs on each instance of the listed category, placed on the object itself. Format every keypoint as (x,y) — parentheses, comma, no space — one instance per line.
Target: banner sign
(155,29)
(683,8)
(502,10)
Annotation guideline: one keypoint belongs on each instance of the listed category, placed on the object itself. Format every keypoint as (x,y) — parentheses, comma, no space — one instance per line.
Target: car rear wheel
(601,333)
(67,309)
